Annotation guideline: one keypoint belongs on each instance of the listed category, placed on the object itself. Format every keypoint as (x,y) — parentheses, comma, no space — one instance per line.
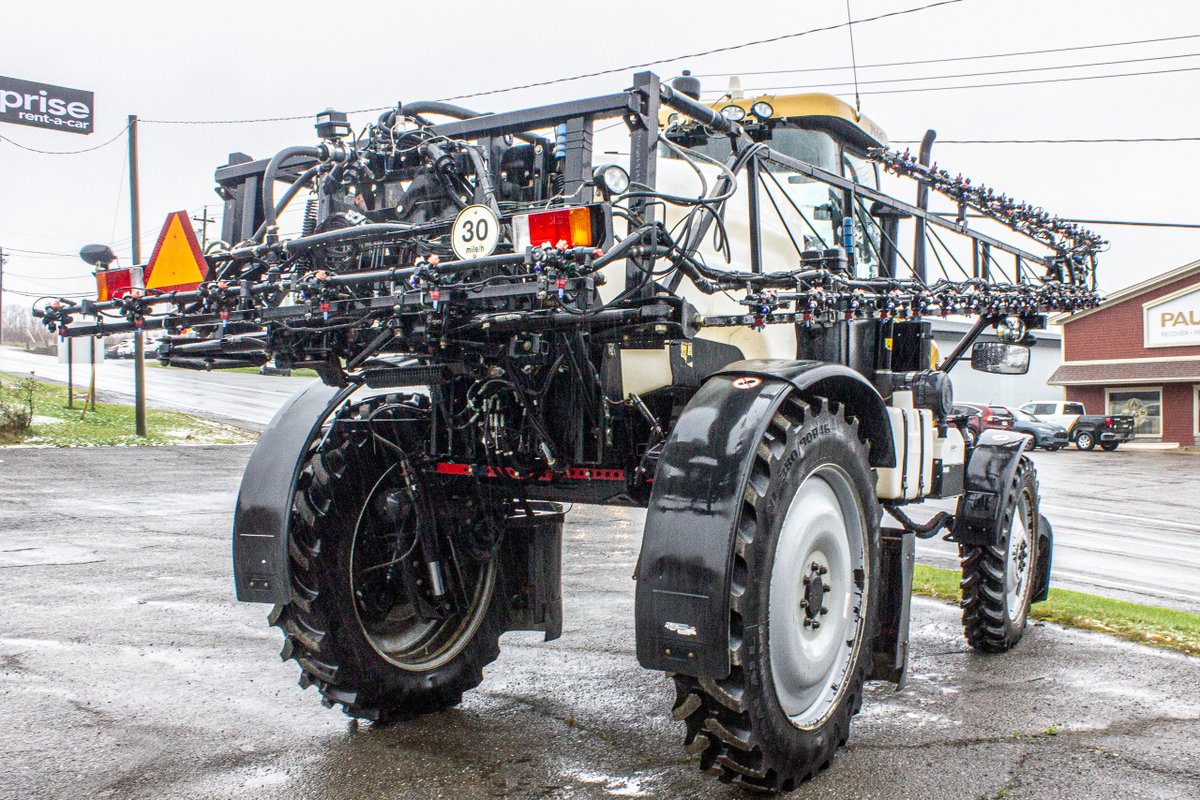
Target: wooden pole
(139,342)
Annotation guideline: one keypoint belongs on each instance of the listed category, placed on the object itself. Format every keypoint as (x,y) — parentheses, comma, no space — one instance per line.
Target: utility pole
(203,219)
(2,257)
(139,342)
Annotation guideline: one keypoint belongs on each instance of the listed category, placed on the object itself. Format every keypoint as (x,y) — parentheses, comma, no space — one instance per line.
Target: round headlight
(733,113)
(1011,329)
(612,178)
(762,110)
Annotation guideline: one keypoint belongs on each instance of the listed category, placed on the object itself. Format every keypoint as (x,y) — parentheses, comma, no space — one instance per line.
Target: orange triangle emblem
(178,263)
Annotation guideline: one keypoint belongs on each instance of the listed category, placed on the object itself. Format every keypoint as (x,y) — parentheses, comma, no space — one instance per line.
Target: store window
(1196,412)
(1144,405)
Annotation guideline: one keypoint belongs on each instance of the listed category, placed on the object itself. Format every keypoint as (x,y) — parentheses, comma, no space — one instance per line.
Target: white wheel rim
(822,539)
(1019,567)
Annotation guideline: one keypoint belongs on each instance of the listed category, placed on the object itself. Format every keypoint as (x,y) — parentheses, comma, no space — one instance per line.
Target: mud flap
(889,653)
(533,556)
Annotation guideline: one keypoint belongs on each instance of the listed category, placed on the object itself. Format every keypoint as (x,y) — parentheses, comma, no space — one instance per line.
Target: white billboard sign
(80,350)
(1174,320)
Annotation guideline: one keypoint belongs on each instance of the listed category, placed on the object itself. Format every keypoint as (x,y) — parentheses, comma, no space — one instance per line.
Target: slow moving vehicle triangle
(178,263)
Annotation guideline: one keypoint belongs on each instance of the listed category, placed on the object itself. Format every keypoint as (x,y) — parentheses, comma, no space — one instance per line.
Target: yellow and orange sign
(177,264)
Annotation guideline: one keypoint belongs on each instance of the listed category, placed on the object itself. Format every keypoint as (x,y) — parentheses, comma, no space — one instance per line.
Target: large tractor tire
(804,607)
(357,633)
(998,582)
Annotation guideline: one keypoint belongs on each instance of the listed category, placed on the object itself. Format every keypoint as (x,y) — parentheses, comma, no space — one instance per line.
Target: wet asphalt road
(247,400)
(128,671)
(1126,524)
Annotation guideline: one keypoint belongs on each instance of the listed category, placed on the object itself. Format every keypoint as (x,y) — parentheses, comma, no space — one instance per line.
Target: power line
(957,58)
(1134,223)
(1112,140)
(1123,222)
(44,278)
(597,73)
(40,252)
(105,143)
(985,74)
(713,51)
(47,294)
(1007,83)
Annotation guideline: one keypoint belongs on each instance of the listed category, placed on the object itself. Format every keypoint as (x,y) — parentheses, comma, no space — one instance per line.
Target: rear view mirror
(1000,358)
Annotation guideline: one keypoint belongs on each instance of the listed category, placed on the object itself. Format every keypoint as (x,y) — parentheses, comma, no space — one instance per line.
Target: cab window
(1073,408)
(860,170)
(867,236)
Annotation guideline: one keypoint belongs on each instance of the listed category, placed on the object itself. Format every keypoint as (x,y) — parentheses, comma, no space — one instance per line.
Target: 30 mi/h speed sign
(475,233)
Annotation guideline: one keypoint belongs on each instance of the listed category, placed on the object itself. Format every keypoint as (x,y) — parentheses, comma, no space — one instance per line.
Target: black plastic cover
(261,571)
(682,602)
(988,483)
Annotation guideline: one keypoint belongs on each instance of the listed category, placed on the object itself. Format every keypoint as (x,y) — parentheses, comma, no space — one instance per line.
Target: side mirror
(1000,358)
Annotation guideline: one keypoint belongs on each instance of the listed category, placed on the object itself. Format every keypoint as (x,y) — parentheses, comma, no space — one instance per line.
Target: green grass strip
(56,425)
(1161,627)
(302,372)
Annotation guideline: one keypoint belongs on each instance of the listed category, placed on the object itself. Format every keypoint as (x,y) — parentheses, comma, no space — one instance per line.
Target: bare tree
(20,328)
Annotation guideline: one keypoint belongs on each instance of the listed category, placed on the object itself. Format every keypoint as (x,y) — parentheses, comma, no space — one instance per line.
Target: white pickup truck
(1085,430)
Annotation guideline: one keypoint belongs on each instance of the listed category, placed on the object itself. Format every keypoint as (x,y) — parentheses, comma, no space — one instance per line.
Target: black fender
(682,601)
(986,487)
(862,400)
(264,505)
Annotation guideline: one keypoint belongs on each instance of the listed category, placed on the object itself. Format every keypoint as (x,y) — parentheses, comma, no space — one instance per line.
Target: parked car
(1049,435)
(981,417)
(1055,412)
(1085,430)
(122,349)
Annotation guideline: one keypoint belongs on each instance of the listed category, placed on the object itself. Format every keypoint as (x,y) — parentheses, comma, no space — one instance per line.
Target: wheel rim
(817,597)
(1085,440)
(1020,561)
(390,624)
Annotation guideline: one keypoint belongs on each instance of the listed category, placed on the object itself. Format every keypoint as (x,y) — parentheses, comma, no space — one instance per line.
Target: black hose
(291,192)
(273,167)
(417,108)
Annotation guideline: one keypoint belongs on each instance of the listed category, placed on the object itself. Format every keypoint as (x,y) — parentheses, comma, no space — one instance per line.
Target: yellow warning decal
(178,263)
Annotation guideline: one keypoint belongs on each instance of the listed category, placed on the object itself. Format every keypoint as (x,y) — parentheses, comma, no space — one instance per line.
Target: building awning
(1107,373)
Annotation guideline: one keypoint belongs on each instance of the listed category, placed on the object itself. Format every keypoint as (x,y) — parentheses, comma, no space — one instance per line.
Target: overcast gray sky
(236,60)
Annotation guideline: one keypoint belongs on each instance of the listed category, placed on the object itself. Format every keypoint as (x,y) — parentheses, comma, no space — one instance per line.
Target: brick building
(1139,353)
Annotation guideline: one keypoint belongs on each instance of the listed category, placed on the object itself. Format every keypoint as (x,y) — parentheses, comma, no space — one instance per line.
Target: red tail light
(583,226)
(117,282)
(1108,422)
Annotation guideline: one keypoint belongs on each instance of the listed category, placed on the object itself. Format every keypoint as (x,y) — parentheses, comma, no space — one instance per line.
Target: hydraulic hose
(291,192)
(418,108)
(273,166)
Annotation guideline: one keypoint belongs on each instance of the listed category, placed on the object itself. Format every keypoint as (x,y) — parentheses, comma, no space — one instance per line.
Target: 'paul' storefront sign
(1174,320)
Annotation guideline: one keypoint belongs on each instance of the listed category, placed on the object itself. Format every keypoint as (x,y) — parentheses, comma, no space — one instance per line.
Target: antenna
(853,59)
